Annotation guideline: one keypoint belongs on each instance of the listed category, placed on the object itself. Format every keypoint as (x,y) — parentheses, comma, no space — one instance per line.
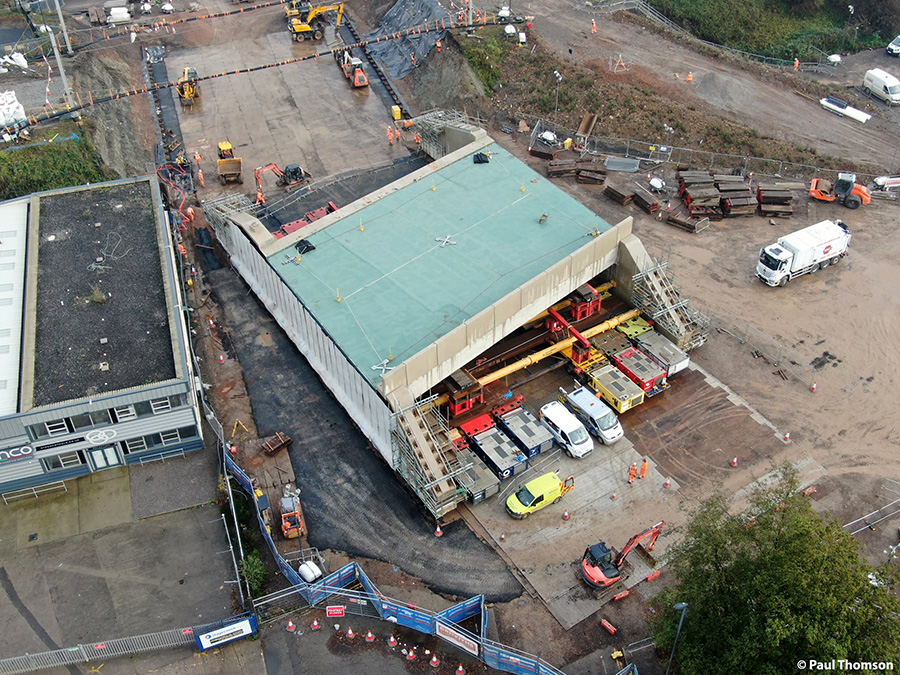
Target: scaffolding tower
(422,455)
(659,299)
(432,125)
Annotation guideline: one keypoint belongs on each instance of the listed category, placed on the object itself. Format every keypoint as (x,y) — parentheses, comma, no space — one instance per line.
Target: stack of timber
(680,221)
(774,200)
(699,193)
(695,179)
(646,199)
(584,171)
(736,197)
(618,194)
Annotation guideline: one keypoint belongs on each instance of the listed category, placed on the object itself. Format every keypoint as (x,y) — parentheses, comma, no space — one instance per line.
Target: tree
(774,587)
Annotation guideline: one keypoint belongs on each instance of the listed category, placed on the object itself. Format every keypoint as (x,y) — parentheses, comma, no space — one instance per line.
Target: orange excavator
(293,176)
(844,191)
(601,567)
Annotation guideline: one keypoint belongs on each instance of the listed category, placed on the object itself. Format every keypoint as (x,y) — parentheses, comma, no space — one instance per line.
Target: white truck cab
(566,429)
(803,252)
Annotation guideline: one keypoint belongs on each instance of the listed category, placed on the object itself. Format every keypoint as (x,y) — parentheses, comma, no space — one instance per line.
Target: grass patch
(48,162)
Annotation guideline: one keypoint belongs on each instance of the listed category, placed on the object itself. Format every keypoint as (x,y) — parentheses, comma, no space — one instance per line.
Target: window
(83,421)
(160,405)
(134,445)
(64,461)
(57,428)
(170,437)
(124,413)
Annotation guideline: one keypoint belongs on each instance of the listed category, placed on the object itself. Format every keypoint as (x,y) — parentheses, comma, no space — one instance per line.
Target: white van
(566,429)
(598,417)
(883,85)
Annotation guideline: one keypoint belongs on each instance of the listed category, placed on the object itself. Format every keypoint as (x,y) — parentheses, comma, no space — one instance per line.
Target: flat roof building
(94,367)
(395,292)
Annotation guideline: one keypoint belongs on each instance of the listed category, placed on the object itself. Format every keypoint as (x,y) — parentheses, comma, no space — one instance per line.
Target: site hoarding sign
(226,634)
(456,637)
(334,610)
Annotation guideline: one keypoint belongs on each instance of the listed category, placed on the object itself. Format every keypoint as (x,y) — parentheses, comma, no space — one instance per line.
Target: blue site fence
(444,624)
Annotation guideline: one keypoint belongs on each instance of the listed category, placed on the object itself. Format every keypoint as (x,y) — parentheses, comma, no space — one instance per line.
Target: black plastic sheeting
(401,55)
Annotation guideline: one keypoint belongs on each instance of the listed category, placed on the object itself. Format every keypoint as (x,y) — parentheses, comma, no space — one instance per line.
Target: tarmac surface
(352,500)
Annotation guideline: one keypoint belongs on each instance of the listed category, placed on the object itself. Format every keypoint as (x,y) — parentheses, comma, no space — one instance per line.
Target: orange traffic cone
(787,437)
(689,78)
(411,655)
(734,462)
(566,514)
(221,358)
(460,671)
(291,627)
(614,496)
(350,634)
(434,663)
(370,637)
(668,483)
(815,385)
(392,641)
(315,624)
(437,532)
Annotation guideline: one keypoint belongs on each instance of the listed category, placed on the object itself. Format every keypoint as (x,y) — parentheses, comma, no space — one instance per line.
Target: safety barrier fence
(655,154)
(354,592)
(102,651)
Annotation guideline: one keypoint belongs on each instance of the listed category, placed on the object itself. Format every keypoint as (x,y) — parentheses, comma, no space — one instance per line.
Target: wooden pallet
(776,210)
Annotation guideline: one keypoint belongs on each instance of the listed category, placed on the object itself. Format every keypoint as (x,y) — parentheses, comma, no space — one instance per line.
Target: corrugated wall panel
(371,414)
(21,468)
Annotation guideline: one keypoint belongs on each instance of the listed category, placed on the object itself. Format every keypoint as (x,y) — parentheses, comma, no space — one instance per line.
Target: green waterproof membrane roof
(420,261)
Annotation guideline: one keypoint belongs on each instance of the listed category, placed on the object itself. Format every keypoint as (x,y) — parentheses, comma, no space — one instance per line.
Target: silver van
(596,416)
(566,429)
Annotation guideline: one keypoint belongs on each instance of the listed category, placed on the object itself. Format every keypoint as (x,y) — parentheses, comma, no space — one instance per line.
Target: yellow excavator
(187,87)
(309,23)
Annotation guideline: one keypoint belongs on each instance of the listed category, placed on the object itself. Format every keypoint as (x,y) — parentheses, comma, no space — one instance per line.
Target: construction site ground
(691,432)
(838,326)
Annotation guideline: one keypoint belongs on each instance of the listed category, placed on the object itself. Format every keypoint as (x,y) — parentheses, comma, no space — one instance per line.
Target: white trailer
(805,251)
(663,351)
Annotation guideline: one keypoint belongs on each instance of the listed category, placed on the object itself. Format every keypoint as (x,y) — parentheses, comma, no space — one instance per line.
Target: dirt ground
(841,324)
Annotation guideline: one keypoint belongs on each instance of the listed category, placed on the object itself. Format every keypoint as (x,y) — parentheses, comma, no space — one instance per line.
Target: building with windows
(94,358)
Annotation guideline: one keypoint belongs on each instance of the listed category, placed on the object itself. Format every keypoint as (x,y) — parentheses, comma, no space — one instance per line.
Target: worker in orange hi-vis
(438,45)
(593,26)
(418,139)
(796,65)
(390,136)
(644,466)
(397,135)
(632,472)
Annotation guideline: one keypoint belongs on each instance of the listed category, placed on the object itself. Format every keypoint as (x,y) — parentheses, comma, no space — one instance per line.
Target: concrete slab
(292,114)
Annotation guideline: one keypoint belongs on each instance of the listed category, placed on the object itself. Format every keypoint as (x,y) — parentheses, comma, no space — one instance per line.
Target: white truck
(805,251)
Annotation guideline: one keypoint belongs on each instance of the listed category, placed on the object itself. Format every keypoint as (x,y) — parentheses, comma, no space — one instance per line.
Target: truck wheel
(525,515)
(835,260)
(815,268)
(317,35)
(852,202)
(298,37)
(240,179)
(823,264)
(222,180)
(783,281)
(556,501)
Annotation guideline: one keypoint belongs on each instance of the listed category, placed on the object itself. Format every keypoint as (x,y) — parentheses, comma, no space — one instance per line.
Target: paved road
(352,500)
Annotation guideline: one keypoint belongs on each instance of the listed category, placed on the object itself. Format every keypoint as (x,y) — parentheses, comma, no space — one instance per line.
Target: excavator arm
(651,532)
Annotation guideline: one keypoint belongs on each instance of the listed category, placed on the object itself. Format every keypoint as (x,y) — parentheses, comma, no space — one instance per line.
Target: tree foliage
(766,591)
(787,29)
(254,572)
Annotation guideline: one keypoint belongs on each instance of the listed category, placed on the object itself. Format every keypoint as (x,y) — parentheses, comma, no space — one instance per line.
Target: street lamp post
(681,607)
(556,109)
(851,9)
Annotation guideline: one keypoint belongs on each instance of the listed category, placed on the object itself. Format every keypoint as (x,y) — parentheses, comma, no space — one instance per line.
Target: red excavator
(601,567)
(292,177)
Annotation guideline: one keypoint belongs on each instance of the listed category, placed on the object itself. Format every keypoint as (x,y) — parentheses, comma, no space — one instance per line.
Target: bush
(254,572)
